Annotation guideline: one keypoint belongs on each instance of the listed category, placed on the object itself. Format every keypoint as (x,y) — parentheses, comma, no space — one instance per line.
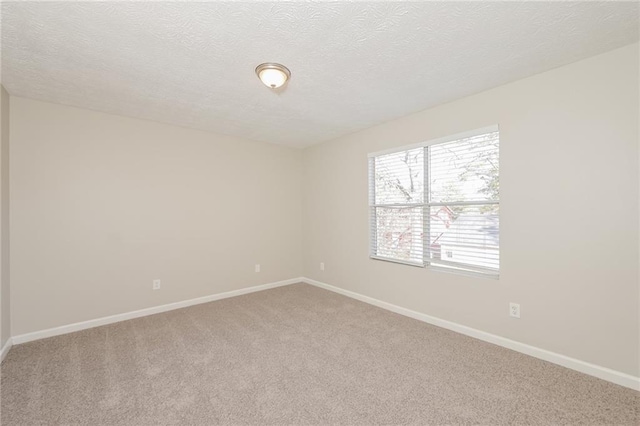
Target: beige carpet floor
(293,355)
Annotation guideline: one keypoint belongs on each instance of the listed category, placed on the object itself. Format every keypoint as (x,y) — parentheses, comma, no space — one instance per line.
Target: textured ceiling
(353,64)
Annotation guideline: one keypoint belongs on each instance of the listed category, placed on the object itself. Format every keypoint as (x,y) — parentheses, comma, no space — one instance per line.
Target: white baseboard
(70,328)
(604,373)
(5,349)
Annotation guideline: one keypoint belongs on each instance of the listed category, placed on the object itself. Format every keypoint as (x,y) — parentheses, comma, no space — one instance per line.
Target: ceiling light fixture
(273,75)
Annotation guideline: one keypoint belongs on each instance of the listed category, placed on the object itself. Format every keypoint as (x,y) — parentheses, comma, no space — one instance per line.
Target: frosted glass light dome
(273,75)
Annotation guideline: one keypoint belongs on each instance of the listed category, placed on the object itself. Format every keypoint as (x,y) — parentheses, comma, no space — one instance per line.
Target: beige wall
(101,205)
(569,213)
(5,308)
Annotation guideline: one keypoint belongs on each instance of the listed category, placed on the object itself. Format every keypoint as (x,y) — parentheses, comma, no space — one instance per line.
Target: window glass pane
(465,234)
(455,217)
(399,177)
(465,170)
(399,233)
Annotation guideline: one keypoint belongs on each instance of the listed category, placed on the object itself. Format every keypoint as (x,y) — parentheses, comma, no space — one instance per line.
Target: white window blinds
(438,203)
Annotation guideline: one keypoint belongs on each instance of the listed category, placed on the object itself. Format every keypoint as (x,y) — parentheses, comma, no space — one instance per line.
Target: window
(437,203)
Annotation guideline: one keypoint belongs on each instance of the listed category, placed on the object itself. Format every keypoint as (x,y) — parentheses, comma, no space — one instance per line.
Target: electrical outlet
(156,284)
(514,310)
(322,266)
(257,267)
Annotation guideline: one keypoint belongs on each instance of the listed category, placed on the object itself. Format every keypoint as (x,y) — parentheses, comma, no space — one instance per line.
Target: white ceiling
(353,65)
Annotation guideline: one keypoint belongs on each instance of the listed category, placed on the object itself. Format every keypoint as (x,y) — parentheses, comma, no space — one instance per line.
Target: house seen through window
(437,204)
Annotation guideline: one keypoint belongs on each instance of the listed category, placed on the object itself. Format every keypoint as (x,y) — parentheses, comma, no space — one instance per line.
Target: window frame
(427,262)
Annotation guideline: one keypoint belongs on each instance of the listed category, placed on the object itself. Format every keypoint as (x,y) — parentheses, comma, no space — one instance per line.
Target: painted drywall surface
(102,205)
(354,64)
(569,213)
(5,308)
(638,140)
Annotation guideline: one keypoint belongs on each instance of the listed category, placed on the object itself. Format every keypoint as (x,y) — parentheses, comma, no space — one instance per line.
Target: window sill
(439,268)
(402,262)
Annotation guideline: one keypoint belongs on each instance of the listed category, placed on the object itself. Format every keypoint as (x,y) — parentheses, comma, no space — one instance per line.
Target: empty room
(320,213)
